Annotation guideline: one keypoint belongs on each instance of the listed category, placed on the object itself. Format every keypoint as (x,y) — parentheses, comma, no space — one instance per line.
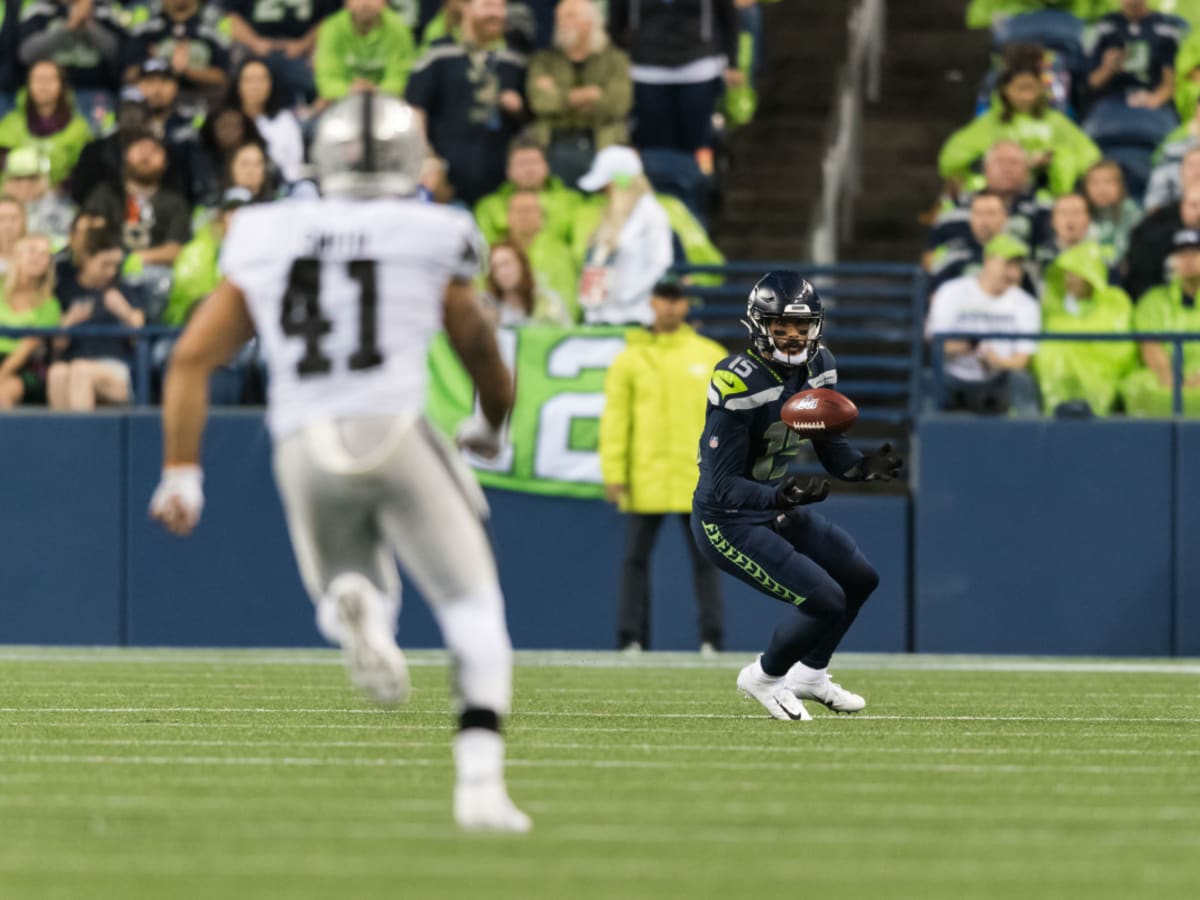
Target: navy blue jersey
(278,19)
(156,37)
(745,448)
(459,90)
(1028,221)
(86,66)
(1150,45)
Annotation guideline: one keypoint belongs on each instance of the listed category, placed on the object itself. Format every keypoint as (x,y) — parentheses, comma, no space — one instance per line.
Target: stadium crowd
(130,134)
(1071,203)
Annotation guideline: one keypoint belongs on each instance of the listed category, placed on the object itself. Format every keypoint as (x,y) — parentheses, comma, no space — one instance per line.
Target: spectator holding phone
(92,370)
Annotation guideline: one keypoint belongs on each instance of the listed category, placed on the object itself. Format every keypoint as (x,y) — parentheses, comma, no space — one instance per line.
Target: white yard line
(811,763)
(590,714)
(597,659)
(403,745)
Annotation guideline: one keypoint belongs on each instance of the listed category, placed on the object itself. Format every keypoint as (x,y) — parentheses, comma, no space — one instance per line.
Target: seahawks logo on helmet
(784,294)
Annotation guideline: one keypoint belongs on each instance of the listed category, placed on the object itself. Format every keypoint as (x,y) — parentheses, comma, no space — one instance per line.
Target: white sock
(801,672)
(477,638)
(478,756)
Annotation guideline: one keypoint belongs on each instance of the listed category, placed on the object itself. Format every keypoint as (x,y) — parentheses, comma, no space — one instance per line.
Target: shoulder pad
(822,370)
(741,382)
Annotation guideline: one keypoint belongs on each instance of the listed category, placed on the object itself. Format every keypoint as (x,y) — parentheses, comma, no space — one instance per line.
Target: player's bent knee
(828,602)
(862,583)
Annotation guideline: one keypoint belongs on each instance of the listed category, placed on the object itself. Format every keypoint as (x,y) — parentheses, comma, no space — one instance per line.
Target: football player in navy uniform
(752,518)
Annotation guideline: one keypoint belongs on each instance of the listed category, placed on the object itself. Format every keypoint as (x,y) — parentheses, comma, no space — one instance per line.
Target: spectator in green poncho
(549,256)
(984,13)
(1077,298)
(1060,153)
(528,171)
(1147,391)
(45,119)
(195,274)
(1187,76)
(365,47)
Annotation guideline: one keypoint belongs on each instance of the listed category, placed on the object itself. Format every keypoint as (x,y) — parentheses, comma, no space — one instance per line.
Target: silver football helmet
(368,145)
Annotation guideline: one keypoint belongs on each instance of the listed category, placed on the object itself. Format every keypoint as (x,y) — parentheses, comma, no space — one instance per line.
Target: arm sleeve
(965,146)
(329,69)
(179,222)
(838,457)
(617,98)
(727,24)
(421,90)
(544,102)
(38,41)
(618,21)
(727,461)
(400,61)
(615,423)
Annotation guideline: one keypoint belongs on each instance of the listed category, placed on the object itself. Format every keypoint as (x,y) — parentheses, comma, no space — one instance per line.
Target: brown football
(819,411)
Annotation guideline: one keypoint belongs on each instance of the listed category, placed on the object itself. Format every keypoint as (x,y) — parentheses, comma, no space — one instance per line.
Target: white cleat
(825,691)
(376,665)
(772,693)
(485,806)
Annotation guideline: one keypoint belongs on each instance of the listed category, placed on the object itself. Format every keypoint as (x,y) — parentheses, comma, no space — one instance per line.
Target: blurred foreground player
(748,514)
(344,292)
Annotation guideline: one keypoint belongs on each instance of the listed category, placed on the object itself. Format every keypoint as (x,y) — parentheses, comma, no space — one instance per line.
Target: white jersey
(345,297)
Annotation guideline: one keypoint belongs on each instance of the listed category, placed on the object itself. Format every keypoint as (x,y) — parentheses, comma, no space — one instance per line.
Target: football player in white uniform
(345,292)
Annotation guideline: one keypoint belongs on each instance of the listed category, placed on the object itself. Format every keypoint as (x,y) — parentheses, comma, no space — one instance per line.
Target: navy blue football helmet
(784,294)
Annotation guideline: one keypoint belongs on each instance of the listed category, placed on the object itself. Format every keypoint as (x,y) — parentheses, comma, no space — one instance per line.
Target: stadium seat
(676,173)
(1112,122)
(1057,30)
(1134,161)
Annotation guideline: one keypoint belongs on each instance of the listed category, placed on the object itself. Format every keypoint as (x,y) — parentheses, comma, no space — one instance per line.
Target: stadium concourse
(172,721)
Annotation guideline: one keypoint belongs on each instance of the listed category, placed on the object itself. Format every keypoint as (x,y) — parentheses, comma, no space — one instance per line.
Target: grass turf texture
(189,774)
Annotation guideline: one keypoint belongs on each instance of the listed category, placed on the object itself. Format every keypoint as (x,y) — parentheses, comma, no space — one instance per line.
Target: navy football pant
(802,559)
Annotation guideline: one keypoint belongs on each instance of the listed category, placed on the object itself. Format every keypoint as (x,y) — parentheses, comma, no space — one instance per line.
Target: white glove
(179,498)
(477,435)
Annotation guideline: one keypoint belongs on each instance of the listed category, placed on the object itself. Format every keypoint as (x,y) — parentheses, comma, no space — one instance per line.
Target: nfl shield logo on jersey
(713,442)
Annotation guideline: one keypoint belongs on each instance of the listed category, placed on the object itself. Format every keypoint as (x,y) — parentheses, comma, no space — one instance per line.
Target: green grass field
(189,774)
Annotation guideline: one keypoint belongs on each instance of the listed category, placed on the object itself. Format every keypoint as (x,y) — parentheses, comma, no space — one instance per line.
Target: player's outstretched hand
(797,491)
(477,435)
(881,464)
(179,499)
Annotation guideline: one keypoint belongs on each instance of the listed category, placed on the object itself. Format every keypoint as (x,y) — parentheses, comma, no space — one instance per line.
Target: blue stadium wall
(1025,537)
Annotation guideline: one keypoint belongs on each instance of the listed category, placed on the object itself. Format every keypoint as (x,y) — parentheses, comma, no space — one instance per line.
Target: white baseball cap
(610,164)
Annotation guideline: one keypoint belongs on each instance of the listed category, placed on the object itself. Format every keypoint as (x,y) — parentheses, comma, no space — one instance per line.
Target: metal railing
(878,304)
(1175,338)
(143,340)
(841,167)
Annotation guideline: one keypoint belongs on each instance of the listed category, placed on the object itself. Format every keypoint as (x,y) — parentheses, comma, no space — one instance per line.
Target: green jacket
(1073,150)
(383,56)
(62,148)
(1076,370)
(607,120)
(44,316)
(1161,309)
(697,245)
(654,403)
(1187,91)
(559,203)
(555,269)
(193,276)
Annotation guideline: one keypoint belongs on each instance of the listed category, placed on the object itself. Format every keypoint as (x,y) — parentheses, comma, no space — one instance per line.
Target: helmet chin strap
(790,359)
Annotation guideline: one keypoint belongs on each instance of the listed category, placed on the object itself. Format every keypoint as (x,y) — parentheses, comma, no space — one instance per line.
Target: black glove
(794,491)
(880,465)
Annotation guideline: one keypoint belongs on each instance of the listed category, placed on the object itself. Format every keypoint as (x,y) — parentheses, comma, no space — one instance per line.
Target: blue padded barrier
(1030,540)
